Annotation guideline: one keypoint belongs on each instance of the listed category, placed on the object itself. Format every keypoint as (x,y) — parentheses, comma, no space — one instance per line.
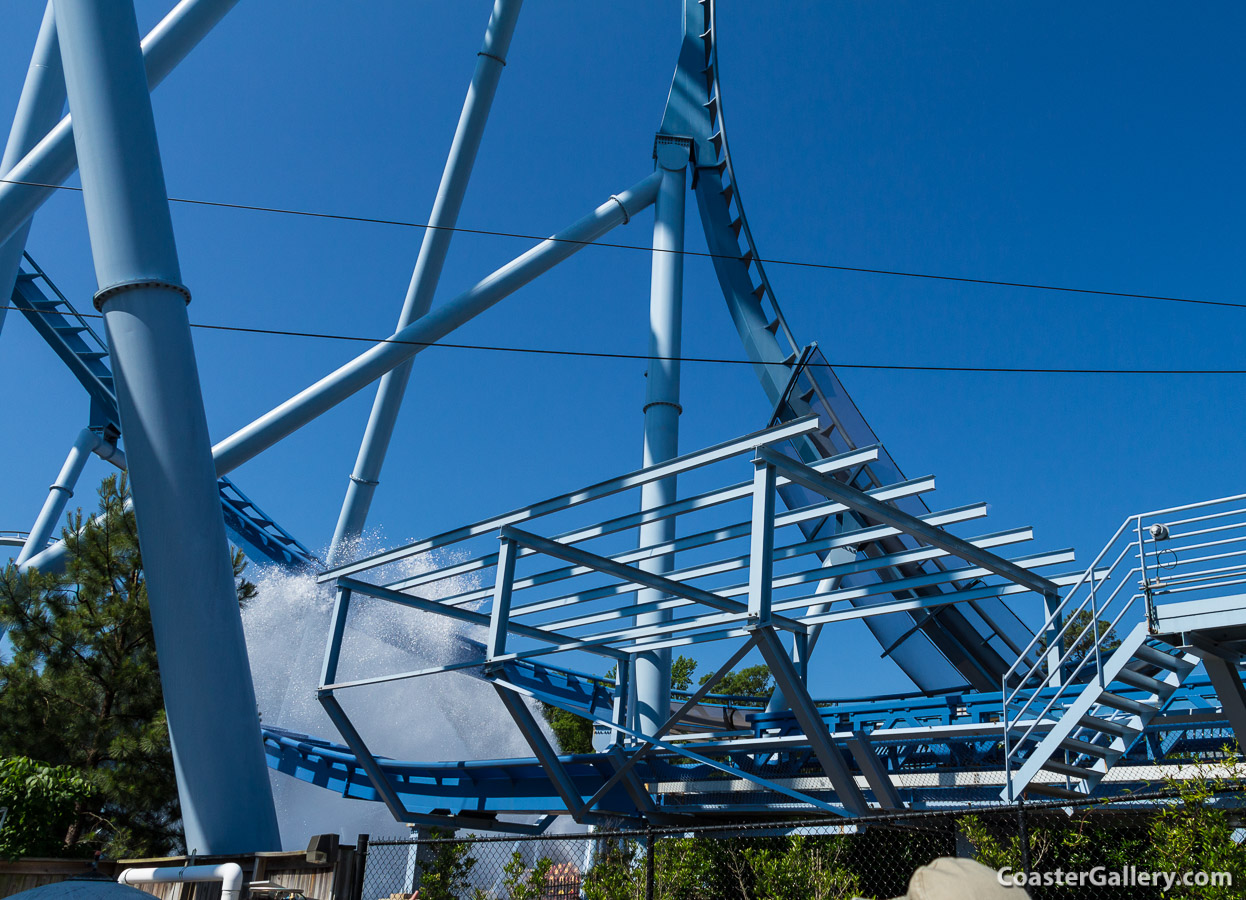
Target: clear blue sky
(1096,145)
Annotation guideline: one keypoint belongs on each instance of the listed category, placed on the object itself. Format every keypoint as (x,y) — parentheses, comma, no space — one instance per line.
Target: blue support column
(652,669)
(58,495)
(489,64)
(222,780)
(52,159)
(38,110)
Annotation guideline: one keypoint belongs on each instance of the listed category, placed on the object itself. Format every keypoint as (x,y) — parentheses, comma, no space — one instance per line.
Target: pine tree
(82,688)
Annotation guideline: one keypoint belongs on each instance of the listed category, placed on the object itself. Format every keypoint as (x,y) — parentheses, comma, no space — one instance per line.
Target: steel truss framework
(750,586)
(855,540)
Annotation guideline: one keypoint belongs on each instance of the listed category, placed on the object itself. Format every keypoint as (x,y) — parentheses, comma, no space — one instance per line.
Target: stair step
(1079,746)
(1144,682)
(1067,770)
(1053,790)
(1124,704)
(1108,726)
(1158,657)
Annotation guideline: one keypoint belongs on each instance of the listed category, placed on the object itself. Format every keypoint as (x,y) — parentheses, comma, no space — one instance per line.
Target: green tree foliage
(41,801)
(1188,834)
(446,876)
(1195,835)
(753,681)
(1076,645)
(522,883)
(82,688)
(708,868)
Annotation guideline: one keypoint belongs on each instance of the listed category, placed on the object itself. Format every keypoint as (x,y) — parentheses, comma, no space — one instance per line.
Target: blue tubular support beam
(38,109)
(489,64)
(652,671)
(226,802)
(59,493)
(54,158)
(407,342)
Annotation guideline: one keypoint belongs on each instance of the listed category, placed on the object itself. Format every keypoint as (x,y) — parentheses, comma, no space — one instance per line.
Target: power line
(804,264)
(712,360)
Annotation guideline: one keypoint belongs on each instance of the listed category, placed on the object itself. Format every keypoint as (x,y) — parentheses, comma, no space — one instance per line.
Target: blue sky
(1095,145)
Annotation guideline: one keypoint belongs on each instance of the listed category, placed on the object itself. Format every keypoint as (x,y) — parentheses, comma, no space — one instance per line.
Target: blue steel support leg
(53,159)
(489,64)
(58,494)
(227,805)
(652,669)
(38,110)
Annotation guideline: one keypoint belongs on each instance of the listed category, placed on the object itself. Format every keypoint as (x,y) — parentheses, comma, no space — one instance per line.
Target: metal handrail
(1026,681)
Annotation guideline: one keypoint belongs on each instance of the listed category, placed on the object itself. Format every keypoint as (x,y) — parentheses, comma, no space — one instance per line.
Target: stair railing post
(1146,578)
(1094,618)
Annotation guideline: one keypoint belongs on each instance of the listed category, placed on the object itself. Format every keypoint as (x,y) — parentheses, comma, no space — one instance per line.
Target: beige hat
(948,878)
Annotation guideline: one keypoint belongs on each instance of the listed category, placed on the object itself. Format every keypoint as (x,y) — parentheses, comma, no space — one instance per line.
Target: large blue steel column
(489,64)
(223,783)
(38,110)
(653,668)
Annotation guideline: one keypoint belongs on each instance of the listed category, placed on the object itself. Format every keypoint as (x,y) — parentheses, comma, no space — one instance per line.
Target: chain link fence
(1184,842)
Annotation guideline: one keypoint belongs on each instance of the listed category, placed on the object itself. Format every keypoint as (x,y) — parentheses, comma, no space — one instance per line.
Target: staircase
(1078,700)
(1100,725)
(85,352)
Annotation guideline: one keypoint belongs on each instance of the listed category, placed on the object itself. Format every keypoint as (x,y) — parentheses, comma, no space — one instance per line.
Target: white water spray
(443,717)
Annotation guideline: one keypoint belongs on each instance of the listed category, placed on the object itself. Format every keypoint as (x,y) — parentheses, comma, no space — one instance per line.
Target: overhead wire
(714,360)
(704,254)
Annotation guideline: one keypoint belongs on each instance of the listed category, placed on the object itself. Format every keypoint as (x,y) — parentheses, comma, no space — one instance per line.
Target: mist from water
(451,716)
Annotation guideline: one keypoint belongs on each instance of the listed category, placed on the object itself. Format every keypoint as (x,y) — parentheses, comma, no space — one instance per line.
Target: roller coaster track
(85,353)
(954,735)
(797,381)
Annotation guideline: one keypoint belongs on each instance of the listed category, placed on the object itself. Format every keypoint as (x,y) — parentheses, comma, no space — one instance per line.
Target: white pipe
(228,874)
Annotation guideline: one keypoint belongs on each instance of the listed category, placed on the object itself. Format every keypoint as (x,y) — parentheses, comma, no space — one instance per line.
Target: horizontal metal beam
(889,515)
(692,541)
(816,574)
(631,520)
(463,615)
(718,452)
(942,576)
(736,590)
(636,576)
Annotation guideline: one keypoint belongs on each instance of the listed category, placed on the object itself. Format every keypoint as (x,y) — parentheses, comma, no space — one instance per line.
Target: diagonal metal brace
(810,721)
(643,751)
(889,515)
(544,752)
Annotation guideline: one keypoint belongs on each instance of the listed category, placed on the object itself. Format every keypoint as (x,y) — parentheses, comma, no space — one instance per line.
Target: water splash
(443,717)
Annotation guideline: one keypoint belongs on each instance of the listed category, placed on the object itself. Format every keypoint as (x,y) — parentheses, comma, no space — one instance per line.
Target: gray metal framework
(741,573)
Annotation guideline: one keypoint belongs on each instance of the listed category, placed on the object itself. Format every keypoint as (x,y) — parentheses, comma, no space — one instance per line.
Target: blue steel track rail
(471,794)
(85,353)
